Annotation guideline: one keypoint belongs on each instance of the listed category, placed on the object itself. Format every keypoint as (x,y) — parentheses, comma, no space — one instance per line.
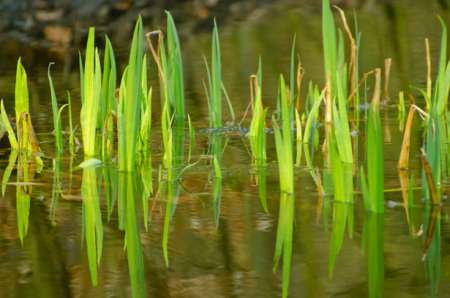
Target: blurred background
(59,24)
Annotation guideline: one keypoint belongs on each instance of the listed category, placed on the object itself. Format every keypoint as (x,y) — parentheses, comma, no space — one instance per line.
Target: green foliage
(436,128)
(174,71)
(283,142)
(257,130)
(168,58)
(108,90)
(329,43)
(21,92)
(90,95)
(373,189)
(130,102)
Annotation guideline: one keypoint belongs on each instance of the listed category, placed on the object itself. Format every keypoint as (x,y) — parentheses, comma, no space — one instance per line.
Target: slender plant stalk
(57,126)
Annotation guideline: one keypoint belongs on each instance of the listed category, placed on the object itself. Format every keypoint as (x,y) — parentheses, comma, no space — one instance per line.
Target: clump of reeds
(90,83)
(338,138)
(435,151)
(283,141)
(214,87)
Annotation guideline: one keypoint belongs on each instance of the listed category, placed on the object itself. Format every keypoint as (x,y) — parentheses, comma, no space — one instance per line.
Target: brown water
(223,246)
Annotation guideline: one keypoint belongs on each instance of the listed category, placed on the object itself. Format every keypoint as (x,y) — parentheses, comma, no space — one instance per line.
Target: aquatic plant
(108,89)
(283,141)
(338,138)
(214,89)
(311,133)
(436,151)
(373,188)
(169,61)
(257,130)
(108,104)
(131,99)
(56,112)
(168,166)
(90,83)
(26,138)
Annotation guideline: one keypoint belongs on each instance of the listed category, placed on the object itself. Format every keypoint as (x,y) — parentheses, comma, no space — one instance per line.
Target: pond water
(222,233)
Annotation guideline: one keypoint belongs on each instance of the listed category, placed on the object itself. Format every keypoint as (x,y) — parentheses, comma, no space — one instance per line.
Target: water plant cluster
(116,130)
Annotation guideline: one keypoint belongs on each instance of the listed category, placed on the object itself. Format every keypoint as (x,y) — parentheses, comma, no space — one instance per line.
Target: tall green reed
(283,141)
(90,78)
(257,130)
(373,188)
(56,112)
(169,61)
(130,102)
(338,138)
(436,128)
(107,103)
(214,89)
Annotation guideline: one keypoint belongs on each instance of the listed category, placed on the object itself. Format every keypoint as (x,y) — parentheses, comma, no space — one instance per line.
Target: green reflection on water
(342,219)
(373,234)
(23,195)
(92,220)
(130,188)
